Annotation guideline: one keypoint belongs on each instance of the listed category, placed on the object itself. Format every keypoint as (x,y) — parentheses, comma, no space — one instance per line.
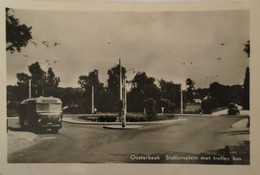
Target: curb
(119,127)
(70,120)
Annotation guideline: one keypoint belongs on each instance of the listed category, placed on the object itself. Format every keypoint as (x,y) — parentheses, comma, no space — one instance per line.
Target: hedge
(138,117)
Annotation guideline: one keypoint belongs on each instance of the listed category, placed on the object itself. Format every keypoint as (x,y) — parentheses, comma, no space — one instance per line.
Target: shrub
(99,118)
(107,118)
(88,118)
(139,117)
(131,117)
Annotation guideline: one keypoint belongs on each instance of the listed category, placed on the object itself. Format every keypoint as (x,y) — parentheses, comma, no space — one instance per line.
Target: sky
(206,46)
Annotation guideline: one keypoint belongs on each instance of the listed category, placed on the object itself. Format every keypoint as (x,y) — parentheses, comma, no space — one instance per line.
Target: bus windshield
(48,107)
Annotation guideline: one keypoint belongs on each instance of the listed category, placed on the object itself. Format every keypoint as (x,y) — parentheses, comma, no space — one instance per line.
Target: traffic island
(75,120)
(127,127)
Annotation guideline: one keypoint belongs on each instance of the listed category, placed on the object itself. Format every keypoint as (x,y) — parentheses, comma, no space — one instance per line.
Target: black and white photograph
(149,87)
(128,87)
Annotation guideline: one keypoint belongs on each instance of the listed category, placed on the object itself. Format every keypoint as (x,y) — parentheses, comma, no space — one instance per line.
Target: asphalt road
(181,142)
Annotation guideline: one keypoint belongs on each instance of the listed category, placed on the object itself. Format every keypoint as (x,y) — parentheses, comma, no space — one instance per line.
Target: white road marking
(12,118)
(47,138)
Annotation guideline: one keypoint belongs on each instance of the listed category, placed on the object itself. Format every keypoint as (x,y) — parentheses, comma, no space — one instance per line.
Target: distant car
(233,109)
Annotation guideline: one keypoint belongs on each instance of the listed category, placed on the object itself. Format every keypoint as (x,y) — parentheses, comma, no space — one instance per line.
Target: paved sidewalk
(238,141)
(20,140)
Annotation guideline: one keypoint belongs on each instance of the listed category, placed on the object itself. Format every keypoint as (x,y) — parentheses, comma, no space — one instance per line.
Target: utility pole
(181,100)
(120,91)
(30,88)
(123,118)
(93,105)
(125,106)
(120,79)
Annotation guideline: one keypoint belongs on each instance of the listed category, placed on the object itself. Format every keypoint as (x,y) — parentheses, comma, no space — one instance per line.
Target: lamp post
(181,99)
(120,80)
(125,99)
(92,106)
(124,106)
(30,88)
(122,84)
(121,92)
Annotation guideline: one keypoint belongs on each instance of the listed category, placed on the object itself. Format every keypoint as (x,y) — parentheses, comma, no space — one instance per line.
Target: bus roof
(42,99)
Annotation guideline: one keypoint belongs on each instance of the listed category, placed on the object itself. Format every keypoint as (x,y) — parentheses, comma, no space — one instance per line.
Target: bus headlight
(39,120)
(59,119)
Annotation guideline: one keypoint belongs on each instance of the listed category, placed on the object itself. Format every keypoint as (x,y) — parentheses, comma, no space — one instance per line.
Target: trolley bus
(41,112)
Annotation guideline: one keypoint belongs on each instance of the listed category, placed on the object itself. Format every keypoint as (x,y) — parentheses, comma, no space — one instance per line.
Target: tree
(143,87)
(114,80)
(17,34)
(22,91)
(233,94)
(202,93)
(52,80)
(39,78)
(218,92)
(113,89)
(146,86)
(245,97)
(164,103)
(170,91)
(107,102)
(246,88)
(225,94)
(208,105)
(23,79)
(190,87)
(247,48)
(87,82)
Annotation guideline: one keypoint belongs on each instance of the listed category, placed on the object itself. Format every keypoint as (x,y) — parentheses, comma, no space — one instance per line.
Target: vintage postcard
(126,87)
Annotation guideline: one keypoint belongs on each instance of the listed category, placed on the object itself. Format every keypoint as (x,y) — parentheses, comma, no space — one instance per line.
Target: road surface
(199,139)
